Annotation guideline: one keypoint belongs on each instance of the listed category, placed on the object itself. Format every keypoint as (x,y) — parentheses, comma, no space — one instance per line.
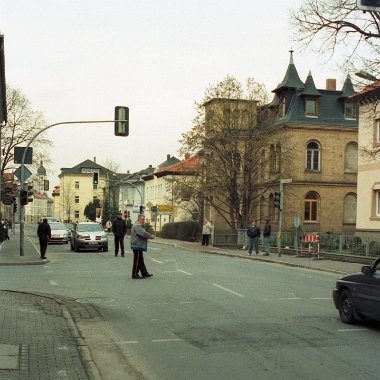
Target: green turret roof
(291,79)
(310,89)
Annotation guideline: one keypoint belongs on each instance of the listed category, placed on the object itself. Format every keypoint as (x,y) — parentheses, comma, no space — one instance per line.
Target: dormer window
(311,107)
(349,110)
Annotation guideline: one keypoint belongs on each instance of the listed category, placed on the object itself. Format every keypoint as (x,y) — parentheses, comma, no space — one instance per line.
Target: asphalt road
(204,316)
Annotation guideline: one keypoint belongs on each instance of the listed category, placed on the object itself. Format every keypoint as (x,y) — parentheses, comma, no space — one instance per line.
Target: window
(76,184)
(349,110)
(351,158)
(349,209)
(94,187)
(311,107)
(272,159)
(76,214)
(278,158)
(312,156)
(377,132)
(378,203)
(311,207)
(77,199)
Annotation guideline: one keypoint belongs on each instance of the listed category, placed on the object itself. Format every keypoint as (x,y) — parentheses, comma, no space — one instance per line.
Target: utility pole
(280,209)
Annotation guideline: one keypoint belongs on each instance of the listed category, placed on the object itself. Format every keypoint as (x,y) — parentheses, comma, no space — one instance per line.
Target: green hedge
(187,231)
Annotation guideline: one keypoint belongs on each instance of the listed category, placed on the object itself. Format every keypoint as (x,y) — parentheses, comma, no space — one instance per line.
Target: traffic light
(95,178)
(128,214)
(142,209)
(30,193)
(23,197)
(14,207)
(369,5)
(277,200)
(121,127)
(46,185)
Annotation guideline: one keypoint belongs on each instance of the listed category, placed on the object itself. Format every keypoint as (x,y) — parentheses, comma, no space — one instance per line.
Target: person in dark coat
(119,229)
(44,235)
(139,244)
(253,233)
(266,234)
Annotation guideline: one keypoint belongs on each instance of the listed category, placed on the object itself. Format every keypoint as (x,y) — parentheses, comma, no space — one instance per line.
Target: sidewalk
(38,335)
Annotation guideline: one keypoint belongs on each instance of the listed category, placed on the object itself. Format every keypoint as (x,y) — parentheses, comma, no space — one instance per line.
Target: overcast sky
(78,59)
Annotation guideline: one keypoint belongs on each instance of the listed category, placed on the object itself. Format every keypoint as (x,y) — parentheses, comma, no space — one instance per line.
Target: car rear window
(57,226)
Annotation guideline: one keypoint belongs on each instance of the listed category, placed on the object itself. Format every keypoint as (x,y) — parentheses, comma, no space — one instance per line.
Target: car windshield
(69,226)
(57,226)
(89,228)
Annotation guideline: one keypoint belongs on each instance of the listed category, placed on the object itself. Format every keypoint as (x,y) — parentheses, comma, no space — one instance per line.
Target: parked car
(49,220)
(357,296)
(69,227)
(58,233)
(88,235)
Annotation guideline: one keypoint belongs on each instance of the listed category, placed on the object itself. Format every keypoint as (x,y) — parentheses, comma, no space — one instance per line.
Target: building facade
(368,207)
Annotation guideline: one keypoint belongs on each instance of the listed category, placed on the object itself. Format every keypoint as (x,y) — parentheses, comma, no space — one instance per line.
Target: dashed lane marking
(351,330)
(229,290)
(182,271)
(290,298)
(165,340)
(54,283)
(157,261)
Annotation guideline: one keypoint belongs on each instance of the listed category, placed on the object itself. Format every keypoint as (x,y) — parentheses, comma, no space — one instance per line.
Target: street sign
(7,199)
(27,173)
(166,208)
(289,180)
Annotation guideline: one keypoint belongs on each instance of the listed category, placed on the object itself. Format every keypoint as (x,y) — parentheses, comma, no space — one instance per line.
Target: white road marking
(182,271)
(157,261)
(320,298)
(129,342)
(164,340)
(54,283)
(290,298)
(351,330)
(229,290)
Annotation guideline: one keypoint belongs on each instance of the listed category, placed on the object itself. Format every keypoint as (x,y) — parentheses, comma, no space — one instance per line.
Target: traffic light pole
(22,168)
(279,232)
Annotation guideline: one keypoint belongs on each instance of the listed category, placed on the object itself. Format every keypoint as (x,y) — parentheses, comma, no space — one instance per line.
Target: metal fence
(337,243)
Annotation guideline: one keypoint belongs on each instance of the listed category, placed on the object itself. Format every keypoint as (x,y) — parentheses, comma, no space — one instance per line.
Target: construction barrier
(309,239)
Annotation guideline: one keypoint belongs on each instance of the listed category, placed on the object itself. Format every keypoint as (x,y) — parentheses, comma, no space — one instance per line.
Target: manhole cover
(95,300)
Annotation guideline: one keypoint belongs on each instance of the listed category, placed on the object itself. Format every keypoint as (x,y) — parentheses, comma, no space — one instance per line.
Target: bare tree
(23,123)
(231,125)
(340,29)
(111,165)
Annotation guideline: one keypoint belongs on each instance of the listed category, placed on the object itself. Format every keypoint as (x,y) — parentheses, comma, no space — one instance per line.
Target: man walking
(119,229)
(44,235)
(139,244)
(266,233)
(253,233)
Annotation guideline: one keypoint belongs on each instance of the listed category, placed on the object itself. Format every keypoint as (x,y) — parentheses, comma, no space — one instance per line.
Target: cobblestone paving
(47,348)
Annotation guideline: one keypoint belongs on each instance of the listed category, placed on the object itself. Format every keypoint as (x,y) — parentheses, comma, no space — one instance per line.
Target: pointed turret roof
(348,88)
(310,89)
(291,79)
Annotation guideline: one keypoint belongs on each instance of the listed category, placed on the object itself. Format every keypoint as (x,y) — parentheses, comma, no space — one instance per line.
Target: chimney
(95,159)
(168,156)
(331,84)
(187,156)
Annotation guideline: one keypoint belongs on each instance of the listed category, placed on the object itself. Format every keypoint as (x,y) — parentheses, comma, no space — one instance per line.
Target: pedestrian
(253,232)
(206,232)
(119,229)
(266,234)
(139,244)
(109,225)
(44,235)
(5,229)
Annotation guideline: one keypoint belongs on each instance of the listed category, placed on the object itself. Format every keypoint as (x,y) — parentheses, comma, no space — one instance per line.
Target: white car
(88,235)
(59,233)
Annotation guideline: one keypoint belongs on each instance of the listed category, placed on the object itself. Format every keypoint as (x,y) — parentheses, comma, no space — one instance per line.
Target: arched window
(351,158)
(271,213)
(262,209)
(278,158)
(262,165)
(311,207)
(272,159)
(349,209)
(313,156)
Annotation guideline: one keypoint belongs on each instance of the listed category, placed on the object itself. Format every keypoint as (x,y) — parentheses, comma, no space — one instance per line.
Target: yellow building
(77,189)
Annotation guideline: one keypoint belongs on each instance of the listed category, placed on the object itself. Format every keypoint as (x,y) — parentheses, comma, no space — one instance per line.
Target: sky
(76,60)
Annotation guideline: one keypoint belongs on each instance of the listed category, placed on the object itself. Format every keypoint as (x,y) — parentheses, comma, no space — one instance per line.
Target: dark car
(357,296)
(88,235)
